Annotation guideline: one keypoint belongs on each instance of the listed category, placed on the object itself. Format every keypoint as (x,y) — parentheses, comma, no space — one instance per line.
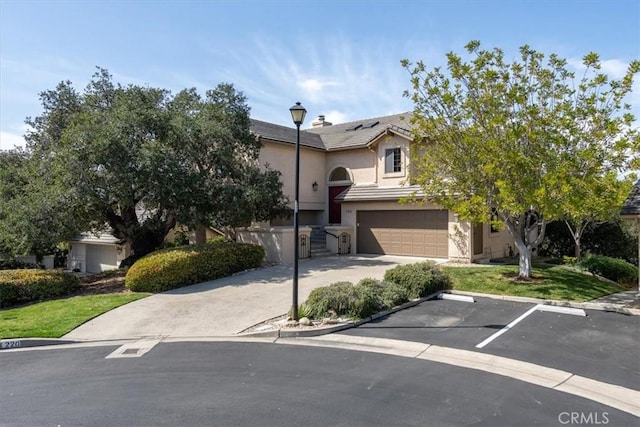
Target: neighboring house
(631,211)
(94,253)
(352,177)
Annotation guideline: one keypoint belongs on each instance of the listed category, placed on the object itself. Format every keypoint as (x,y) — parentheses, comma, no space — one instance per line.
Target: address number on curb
(11,344)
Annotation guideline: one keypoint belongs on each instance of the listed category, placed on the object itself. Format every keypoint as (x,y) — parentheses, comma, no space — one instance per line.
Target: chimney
(321,122)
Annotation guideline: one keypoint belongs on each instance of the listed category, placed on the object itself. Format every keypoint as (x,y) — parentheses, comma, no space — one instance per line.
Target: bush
(176,267)
(615,238)
(337,297)
(14,264)
(23,286)
(419,279)
(394,295)
(614,269)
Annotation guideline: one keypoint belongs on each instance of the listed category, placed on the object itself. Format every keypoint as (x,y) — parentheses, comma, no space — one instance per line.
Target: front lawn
(53,319)
(549,282)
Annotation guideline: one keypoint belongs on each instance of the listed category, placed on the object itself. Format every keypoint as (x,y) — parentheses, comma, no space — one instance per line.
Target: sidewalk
(229,305)
(627,299)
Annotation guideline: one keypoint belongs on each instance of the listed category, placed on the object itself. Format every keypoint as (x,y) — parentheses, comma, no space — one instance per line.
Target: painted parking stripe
(539,307)
(506,328)
(134,349)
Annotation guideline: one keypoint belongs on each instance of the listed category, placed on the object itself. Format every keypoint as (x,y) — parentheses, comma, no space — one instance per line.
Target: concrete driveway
(227,306)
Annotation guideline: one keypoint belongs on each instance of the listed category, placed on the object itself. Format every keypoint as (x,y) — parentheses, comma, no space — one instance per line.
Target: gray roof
(363,193)
(632,206)
(360,133)
(286,134)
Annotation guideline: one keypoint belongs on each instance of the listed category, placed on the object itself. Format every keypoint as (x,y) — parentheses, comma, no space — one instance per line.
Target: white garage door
(101,258)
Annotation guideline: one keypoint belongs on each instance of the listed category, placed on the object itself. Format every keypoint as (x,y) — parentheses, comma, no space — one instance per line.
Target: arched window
(339,174)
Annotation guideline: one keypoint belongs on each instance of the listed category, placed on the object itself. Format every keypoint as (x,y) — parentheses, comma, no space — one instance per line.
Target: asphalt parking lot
(601,345)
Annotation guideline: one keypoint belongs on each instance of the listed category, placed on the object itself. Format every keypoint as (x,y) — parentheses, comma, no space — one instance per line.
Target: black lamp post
(297,114)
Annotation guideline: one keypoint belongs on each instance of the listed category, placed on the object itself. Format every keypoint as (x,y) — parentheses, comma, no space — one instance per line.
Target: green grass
(550,282)
(53,319)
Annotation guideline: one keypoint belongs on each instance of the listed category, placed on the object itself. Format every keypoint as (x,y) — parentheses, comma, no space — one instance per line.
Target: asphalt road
(250,384)
(602,346)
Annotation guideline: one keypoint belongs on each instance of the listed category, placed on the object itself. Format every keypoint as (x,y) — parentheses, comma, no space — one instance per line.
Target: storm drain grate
(131,351)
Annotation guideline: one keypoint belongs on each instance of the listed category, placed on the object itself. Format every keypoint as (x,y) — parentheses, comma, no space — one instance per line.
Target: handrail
(331,234)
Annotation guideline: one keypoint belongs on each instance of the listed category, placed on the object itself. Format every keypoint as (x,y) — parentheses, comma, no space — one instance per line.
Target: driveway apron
(229,305)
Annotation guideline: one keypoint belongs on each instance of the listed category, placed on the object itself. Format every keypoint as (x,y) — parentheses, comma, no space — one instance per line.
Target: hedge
(24,286)
(614,269)
(14,264)
(187,265)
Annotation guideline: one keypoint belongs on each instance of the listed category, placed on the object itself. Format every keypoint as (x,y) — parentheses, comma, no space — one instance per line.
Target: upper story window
(392,160)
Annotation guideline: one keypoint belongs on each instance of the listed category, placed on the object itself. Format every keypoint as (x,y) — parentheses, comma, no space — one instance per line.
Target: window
(392,160)
(495,228)
(339,174)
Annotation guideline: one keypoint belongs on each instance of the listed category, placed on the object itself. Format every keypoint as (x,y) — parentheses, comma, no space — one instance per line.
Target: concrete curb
(16,343)
(614,308)
(615,396)
(324,330)
(34,344)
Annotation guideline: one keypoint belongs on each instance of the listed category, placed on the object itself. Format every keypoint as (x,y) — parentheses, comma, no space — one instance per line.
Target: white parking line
(539,307)
(506,328)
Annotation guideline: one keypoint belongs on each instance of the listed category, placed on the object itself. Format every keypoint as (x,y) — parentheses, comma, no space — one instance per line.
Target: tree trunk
(524,257)
(577,249)
(521,228)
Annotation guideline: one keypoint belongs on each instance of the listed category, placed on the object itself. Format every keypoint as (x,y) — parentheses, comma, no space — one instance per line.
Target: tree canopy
(525,139)
(135,160)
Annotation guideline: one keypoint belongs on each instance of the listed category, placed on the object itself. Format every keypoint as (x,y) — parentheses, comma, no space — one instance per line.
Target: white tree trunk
(524,255)
(520,230)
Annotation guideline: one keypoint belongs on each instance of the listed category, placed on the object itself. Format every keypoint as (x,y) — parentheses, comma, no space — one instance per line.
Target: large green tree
(136,160)
(34,215)
(525,139)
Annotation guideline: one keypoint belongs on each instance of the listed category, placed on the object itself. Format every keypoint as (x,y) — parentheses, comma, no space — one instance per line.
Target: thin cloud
(9,141)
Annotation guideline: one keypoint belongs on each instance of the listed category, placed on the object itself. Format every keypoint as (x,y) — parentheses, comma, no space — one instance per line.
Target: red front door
(335,216)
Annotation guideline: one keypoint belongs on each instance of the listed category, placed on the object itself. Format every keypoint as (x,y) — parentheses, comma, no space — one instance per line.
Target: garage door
(412,233)
(101,258)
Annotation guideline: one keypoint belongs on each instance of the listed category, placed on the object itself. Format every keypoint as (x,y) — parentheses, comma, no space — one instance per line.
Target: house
(631,211)
(353,176)
(94,253)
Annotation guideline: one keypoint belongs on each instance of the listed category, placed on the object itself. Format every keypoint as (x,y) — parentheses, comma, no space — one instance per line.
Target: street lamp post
(297,114)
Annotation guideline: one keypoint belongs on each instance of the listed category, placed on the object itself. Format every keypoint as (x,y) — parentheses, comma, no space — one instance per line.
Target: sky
(340,59)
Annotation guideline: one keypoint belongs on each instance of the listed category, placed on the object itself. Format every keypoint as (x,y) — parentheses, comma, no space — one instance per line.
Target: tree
(34,215)
(523,138)
(138,160)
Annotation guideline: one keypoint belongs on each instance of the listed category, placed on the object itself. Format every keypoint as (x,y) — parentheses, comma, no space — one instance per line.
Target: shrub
(615,238)
(419,279)
(14,264)
(23,286)
(186,265)
(337,297)
(394,295)
(614,269)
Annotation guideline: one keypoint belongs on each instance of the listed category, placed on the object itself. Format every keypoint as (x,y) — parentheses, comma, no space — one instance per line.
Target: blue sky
(339,58)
